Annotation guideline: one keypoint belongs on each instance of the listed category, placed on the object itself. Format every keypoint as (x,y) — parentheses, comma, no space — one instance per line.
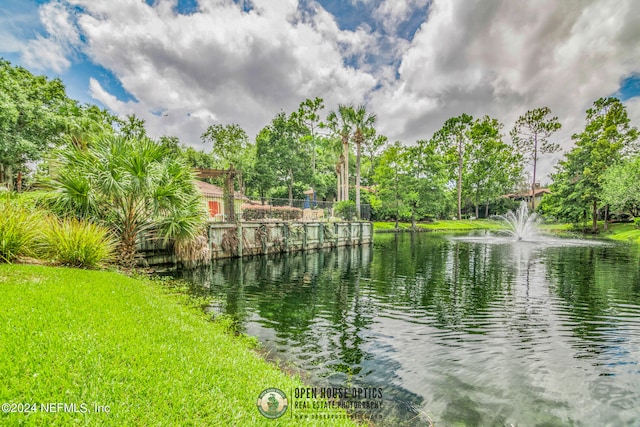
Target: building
(530,195)
(214,198)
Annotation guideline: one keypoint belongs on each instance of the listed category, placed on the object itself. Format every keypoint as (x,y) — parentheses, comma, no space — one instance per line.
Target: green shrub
(18,231)
(39,200)
(286,213)
(636,221)
(257,212)
(78,243)
(345,209)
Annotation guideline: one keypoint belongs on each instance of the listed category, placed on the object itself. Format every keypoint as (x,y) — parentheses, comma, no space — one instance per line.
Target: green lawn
(441,225)
(625,232)
(79,337)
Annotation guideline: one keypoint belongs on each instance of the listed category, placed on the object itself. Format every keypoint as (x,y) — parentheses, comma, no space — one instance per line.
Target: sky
(182,65)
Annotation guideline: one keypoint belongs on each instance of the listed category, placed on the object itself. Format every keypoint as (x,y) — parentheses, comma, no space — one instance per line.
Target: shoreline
(132,347)
(620,232)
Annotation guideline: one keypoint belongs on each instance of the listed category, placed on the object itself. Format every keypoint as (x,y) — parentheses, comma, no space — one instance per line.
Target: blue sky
(414,63)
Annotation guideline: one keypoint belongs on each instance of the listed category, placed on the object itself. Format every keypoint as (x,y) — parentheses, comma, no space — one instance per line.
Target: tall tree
(362,122)
(373,143)
(279,156)
(309,121)
(530,135)
(88,122)
(231,148)
(389,175)
(454,135)
(493,166)
(33,117)
(606,138)
(228,144)
(340,125)
(621,186)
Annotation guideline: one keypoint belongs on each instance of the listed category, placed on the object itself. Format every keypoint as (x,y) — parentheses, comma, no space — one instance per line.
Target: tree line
(467,166)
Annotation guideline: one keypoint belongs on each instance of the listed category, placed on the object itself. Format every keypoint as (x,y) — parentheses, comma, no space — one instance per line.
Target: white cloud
(236,66)
(225,65)
(52,51)
(503,58)
(393,12)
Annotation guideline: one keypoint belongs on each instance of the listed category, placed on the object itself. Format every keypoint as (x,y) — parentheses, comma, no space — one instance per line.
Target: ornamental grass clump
(78,243)
(18,231)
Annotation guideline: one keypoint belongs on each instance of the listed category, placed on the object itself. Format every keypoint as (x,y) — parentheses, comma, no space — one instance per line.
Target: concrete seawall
(258,238)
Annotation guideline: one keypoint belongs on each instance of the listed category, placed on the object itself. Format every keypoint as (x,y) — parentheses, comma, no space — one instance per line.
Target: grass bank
(441,225)
(128,351)
(623,232)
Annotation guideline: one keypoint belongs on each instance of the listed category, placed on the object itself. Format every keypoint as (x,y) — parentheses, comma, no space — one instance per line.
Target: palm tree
(132,186)
(340,124)
(363,122)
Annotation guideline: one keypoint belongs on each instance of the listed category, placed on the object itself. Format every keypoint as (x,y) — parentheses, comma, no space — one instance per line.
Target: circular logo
(272,403)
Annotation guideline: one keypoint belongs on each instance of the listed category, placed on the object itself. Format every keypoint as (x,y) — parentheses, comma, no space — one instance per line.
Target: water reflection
(461,330)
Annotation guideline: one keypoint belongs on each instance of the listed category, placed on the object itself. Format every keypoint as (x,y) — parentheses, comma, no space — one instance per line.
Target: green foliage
(621,186)
(492,167)
(19,231)
(309,122)
(132,127)
(577,189)
(230,146)
(530,135)
(454,139)
(258,212)
(78,243)
(133,187)
(255,212)
(286,213)
(33,116)
(412,182)
(345,209)
(280,159)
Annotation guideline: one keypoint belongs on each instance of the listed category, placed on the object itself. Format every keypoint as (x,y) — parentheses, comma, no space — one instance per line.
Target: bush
(39,200)
(18,231)
(78,243)
(636,221)
(345,209)
(258,212)
(255,212)
(286,213)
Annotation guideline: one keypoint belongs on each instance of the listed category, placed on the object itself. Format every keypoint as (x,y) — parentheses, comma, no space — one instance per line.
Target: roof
(214,190)
(538,192)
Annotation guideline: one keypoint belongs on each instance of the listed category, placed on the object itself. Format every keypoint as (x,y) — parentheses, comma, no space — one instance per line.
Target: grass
(18,231)
(91,337)
(441,225)
(625,232)
(77,243)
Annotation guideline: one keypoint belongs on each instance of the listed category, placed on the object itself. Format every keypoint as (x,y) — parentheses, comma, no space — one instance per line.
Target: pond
(469,331)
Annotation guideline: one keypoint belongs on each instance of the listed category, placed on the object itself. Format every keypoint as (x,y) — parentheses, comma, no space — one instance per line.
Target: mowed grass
(441,225)
(623,232)
(626,232)
(101,338)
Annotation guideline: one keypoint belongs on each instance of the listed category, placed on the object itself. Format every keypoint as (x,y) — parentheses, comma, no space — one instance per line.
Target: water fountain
(521,224)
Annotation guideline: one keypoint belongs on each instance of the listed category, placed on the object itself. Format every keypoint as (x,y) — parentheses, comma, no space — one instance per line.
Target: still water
(457,331)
